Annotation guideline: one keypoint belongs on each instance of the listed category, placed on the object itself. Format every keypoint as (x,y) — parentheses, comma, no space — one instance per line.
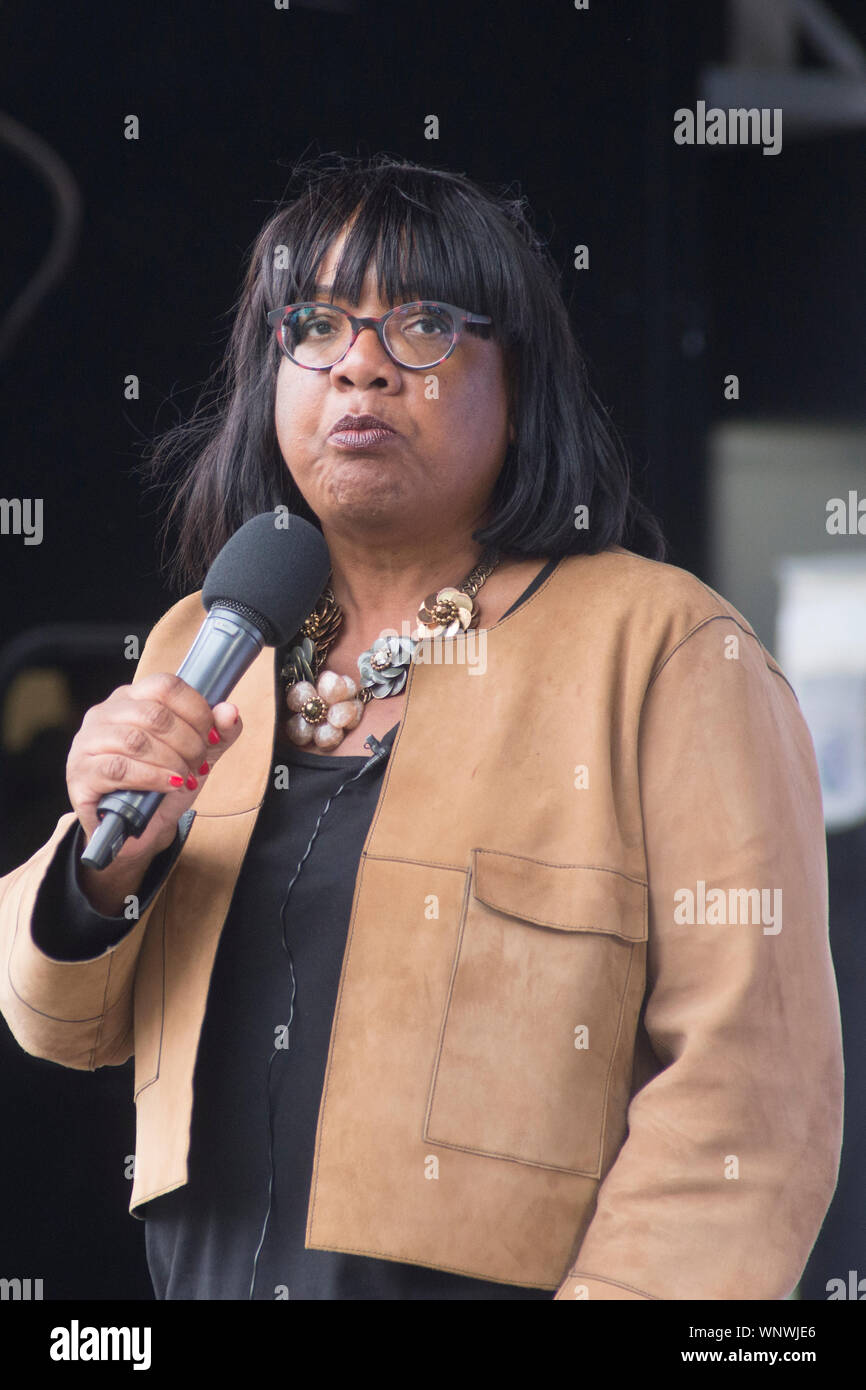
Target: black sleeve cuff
(64,924)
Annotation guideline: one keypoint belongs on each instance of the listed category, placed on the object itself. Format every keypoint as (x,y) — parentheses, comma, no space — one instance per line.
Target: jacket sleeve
(64,924)
(732,1151)
(66,972)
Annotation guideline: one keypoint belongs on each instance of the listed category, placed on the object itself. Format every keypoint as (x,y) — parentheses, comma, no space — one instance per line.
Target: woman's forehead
(323,291)
(406,284)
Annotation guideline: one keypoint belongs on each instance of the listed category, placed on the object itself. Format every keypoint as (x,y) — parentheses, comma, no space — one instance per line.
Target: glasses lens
(420,334)
(317,335)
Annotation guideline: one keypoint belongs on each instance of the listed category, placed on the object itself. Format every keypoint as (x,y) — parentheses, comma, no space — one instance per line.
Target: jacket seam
(227,815)
(407,859)
(557,926)
(551,864)
(545,863)
(715,618)
(90,1018)
(101,1023)
(615,1283)
(75,1022)
(443,1023)
(137,1090)
(615,1050)
(594,1174)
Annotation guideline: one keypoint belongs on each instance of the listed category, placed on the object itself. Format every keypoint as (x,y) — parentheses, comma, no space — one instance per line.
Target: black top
(264,1045)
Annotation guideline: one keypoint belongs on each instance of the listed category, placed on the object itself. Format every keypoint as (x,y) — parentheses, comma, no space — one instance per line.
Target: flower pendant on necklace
(384,667)
(444,614)
(323,713)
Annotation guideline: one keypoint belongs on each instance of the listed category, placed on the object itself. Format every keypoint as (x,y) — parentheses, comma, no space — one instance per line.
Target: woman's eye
(316,327)
(427,325)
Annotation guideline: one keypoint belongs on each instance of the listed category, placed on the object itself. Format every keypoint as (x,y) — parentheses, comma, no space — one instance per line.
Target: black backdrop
(698,259)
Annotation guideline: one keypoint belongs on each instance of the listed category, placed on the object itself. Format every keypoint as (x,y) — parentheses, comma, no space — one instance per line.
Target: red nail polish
(204,768)
(176,781)
(213,736)
(191,783)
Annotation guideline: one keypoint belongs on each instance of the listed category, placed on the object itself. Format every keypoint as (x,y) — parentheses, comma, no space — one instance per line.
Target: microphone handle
(225,646)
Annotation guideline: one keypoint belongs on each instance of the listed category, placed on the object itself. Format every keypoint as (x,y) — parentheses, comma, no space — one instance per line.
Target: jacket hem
(428,1264)
(135,1202)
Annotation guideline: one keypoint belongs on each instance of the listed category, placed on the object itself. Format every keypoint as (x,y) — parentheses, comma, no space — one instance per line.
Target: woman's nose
(367,359)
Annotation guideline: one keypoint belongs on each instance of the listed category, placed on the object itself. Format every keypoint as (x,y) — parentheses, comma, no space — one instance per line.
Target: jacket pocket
(548,971)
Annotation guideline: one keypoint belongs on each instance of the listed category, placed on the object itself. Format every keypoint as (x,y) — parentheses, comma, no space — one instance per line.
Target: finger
(187,704)
(187,757)
(164,719)
(109,771)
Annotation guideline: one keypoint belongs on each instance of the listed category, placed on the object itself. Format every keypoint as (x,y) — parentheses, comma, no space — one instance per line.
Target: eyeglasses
(419,335)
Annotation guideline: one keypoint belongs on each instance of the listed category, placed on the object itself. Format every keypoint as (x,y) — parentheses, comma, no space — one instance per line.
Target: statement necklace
(324,705)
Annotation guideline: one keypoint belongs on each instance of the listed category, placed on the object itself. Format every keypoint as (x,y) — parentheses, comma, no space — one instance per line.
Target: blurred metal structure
(762,69)
(67,204)
(90,658)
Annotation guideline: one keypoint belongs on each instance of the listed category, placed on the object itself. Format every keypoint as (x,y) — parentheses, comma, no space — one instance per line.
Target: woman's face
(435,474)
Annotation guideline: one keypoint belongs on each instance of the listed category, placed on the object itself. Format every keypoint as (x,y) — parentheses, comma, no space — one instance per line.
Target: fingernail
(191,783)
(213,736)
(176,781)
(204,768)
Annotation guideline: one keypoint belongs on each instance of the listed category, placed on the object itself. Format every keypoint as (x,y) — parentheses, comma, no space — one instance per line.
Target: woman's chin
(365,495)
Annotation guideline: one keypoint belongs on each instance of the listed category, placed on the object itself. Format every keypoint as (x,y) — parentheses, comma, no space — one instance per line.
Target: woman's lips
(361,439)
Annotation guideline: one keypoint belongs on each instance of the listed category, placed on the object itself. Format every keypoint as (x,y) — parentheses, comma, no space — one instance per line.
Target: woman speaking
(478,947)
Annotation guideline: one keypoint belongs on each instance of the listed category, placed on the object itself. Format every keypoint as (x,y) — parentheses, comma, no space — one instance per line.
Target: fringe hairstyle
(431,234)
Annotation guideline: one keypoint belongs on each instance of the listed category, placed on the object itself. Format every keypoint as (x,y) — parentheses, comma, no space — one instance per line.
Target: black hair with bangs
(431,234)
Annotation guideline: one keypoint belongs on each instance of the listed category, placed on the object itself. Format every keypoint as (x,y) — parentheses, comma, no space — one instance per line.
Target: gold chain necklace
(324,705)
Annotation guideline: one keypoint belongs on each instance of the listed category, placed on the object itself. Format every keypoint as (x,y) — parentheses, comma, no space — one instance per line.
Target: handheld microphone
(262,585)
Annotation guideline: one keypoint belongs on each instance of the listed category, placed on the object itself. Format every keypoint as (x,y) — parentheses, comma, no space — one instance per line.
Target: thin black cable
(380,753)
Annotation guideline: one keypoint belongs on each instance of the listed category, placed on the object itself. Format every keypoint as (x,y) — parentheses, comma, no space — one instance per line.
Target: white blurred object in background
(821,647)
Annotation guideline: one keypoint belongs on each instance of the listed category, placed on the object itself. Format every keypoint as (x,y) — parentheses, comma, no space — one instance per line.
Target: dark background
(702,261)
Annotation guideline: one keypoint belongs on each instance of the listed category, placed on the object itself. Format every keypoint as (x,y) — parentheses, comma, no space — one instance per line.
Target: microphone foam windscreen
(272,570)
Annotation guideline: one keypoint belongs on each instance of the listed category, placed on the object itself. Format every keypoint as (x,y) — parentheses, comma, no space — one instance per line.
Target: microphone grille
(269,633)
(272,571)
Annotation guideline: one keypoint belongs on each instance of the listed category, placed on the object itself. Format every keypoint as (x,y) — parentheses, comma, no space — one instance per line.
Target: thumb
(227,722)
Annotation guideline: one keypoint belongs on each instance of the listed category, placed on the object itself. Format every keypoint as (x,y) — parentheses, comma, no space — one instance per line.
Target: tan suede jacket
(587,1034)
